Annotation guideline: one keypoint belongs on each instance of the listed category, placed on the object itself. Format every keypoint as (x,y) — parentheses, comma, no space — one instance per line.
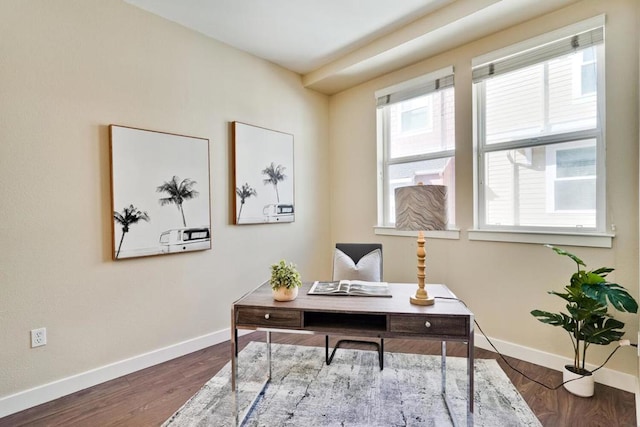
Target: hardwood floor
(150,396)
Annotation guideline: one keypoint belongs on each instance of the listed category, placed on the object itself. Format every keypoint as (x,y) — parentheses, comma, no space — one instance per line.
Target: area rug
(353,392)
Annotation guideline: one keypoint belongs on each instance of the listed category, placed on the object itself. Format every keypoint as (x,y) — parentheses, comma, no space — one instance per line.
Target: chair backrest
(354,270)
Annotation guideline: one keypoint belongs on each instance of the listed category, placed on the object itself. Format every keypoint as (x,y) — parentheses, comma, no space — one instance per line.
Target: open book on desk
(358,288)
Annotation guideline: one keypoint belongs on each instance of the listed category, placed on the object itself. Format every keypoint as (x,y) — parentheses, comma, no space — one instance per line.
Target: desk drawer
(271,318)
(453,326)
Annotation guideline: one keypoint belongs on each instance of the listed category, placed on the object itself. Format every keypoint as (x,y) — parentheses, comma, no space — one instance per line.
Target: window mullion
(543,140)
(601,173)
(386,126)
(430,156)
(479,205)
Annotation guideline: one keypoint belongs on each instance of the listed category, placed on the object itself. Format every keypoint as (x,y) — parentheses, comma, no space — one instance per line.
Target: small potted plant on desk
(285,281)
(588,295)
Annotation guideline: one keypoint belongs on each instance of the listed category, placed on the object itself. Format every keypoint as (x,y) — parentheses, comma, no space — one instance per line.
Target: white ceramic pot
(285,294)
(582,386)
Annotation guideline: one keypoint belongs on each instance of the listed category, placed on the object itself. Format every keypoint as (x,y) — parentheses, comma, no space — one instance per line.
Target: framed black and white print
(264,178)
(159,193)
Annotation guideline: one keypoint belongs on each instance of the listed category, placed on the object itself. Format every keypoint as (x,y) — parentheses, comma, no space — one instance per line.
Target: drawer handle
(266,316)
(427,324)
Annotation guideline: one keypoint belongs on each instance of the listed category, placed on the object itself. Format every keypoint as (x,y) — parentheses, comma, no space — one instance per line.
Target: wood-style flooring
(150,396)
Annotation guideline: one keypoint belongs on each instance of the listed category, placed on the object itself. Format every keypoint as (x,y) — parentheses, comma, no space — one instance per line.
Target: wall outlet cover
(38,337)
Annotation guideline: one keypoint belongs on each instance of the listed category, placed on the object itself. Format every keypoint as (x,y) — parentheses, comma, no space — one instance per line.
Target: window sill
(452,234)
(570,239)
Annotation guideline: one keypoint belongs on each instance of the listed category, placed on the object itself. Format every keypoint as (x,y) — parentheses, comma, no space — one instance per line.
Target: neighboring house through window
(416,139)
(585,82)
(539,139)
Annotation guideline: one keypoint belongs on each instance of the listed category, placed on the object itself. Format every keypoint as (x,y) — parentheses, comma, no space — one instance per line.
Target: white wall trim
(453,233)
(571,239)
(41,394)
(637,399)
(44,393)
(609,377)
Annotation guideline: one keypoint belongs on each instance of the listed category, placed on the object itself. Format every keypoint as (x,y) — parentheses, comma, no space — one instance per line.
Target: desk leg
(326,350)
(269,355)
(234,351)
(470,371)
(443,386)
(443,368)
(234,367)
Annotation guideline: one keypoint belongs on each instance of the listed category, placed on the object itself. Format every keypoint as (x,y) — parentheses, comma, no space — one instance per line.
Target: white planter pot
(582,386)
(285,294)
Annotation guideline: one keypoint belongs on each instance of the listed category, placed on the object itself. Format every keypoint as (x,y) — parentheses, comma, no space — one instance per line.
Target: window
(585,81)
(539,142)
(416,139)
(416,115)
(571,177)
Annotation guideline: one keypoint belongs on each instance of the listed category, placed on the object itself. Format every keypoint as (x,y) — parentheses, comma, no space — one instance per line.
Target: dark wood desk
(395,317)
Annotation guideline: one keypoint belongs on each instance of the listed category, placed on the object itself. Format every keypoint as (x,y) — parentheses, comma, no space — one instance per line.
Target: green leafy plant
(284,275)
(588,296)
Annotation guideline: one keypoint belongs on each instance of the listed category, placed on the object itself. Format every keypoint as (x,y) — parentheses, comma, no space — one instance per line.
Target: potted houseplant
(588,296)
(285,281)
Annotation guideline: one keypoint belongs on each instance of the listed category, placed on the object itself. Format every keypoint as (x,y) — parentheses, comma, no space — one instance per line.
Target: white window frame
(407,90)
(597,236)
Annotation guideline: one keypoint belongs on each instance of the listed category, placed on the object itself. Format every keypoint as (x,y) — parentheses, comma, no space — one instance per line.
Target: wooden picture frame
(160,196)
(264,175)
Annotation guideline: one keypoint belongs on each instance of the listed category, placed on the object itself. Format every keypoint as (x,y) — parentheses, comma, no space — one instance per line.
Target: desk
(395,317)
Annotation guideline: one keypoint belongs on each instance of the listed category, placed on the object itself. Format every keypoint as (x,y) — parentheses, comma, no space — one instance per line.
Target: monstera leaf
(617,296)
(588,297)
(555,319)
(602,331)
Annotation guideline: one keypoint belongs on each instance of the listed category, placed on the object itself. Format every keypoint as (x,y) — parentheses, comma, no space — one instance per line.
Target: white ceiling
(336,44)
(300,35)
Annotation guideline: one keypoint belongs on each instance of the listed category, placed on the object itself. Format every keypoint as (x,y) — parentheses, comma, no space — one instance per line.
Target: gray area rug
(352,391)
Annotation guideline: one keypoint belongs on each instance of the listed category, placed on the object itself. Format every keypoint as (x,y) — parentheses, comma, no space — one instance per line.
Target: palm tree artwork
(178,191)
(274,174)
(130,215)
(244,193)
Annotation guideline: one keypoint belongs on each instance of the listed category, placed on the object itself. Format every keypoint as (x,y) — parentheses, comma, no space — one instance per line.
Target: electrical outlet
(38,337)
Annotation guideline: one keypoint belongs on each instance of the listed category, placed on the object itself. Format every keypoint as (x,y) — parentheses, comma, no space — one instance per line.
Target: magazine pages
(351,288)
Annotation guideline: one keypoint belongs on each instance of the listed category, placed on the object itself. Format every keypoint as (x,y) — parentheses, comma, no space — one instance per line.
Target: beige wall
(501,282)
(68,69)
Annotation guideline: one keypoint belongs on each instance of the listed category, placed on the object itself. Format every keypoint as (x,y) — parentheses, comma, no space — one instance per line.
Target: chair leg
(379,348)
(326,350)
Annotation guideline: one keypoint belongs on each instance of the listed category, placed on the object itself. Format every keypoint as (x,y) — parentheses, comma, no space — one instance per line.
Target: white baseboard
(609,377)
(44,393)
(638,402)
(41,394)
